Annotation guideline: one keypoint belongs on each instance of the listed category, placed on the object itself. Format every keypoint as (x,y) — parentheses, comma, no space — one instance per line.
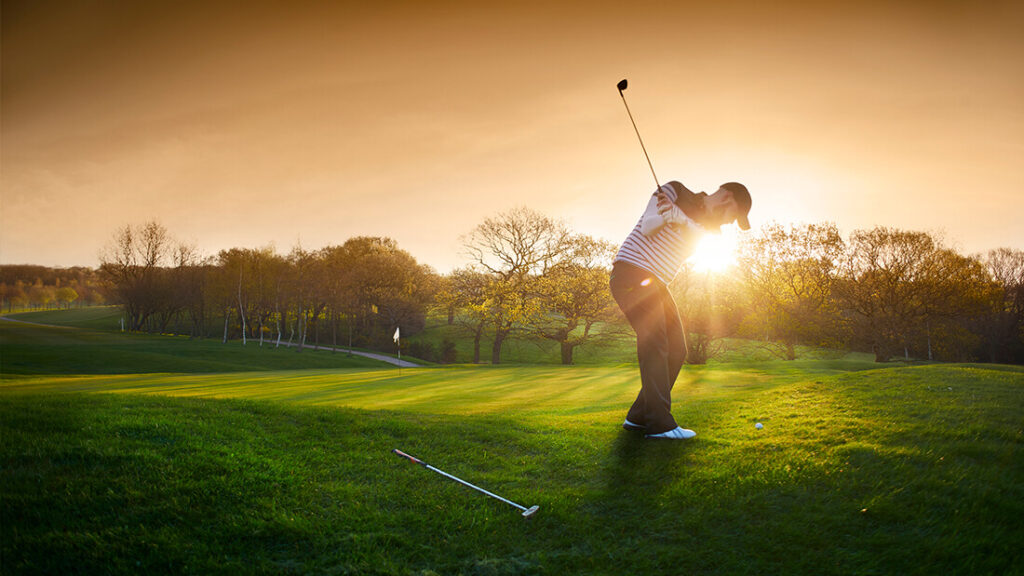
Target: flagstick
(398,344)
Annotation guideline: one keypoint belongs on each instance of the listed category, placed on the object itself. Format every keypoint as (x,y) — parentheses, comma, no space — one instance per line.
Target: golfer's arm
(651,222)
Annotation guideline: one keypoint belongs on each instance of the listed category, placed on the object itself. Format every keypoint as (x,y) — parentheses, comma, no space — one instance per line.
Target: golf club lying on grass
(527,512)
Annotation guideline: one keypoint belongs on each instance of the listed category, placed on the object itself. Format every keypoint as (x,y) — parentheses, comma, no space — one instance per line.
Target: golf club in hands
(527,512)
(622,86)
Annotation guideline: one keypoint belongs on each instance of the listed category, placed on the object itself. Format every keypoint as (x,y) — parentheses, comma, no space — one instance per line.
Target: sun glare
(715,252)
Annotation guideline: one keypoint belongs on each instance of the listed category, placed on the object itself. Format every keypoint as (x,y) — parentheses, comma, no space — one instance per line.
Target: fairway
(858,469)
(459,390)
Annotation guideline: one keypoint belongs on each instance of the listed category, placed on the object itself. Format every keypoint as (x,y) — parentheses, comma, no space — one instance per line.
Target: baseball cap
(741,196)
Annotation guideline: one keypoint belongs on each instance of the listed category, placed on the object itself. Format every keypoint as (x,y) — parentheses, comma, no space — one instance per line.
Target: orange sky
(242,124)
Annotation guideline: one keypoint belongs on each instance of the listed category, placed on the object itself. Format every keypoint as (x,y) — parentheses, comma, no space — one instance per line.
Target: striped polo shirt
(663,252)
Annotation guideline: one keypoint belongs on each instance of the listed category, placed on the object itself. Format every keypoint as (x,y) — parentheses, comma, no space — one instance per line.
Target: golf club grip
(412,459)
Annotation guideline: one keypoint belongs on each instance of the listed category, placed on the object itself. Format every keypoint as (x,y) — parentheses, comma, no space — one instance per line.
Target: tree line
(349,294)
(895,293)
(530,276)
(24,286)
(892,292)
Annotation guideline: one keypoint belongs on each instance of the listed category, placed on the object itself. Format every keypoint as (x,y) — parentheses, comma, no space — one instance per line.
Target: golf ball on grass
(758,425)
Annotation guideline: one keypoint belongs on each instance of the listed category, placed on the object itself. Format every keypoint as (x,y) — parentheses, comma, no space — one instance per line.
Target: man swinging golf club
(649,258)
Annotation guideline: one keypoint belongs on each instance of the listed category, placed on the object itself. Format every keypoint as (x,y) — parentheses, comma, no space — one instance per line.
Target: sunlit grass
(457,390)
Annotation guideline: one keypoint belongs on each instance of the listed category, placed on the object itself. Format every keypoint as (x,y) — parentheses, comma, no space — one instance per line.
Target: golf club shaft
(415,460)
(477,488)
(657,183)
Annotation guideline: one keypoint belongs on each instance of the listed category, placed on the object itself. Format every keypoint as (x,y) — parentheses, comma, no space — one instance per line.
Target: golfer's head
(731,203)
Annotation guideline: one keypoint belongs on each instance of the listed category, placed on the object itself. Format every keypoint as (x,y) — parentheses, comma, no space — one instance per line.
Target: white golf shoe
(678,433)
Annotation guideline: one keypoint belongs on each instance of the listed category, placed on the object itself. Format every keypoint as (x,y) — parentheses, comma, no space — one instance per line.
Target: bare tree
(191,275)
(131,266)
(518,243)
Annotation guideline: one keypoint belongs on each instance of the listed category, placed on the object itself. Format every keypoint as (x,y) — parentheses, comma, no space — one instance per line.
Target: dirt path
(32,323)
(381,357)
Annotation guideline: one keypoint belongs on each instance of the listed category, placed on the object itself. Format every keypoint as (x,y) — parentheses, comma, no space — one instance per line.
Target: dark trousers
(660,346)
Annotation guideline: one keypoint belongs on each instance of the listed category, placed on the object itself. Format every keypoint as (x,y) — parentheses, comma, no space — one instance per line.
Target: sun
(715,252)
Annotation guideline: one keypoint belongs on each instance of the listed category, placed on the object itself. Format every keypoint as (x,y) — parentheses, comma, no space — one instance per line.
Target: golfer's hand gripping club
(527,512)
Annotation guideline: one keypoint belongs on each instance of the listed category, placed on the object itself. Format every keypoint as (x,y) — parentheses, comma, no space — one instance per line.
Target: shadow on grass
(639,470)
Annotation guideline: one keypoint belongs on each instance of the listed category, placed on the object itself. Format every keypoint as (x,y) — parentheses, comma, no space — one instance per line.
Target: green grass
(98,318)
(516,350)
(454,390)
(29,349)
(858,470)
(612,350)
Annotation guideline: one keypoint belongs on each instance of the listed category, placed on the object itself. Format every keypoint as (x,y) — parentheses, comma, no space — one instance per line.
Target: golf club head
(622,84)
(530,511)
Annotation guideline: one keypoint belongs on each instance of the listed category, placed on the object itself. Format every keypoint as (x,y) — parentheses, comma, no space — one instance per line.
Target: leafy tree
(711,307)
(384,286)
(18,279)
(17,296)
(574,296)
(790,272)
(1002,327)
(446,298)
(466,295)
(65,295)
(247,286)
(303,292)
(41,295)
(902,289)
(957,294)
